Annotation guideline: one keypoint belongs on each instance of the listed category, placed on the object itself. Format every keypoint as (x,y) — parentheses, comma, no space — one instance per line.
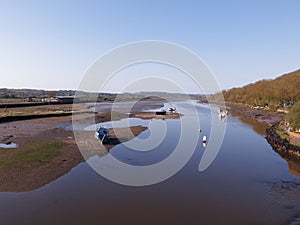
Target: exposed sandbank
(25,176)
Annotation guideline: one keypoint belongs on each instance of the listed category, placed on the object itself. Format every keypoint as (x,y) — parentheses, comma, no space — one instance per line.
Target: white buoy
(199,130)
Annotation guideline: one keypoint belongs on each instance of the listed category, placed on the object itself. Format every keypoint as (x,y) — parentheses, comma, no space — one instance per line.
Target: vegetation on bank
(22,113)
(281,93)
(39,152)
(291,123)
(13,96)
(284,89)
(282,131)
(293,117)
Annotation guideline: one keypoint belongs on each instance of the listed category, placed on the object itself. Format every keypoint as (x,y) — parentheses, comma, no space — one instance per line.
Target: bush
(293,116)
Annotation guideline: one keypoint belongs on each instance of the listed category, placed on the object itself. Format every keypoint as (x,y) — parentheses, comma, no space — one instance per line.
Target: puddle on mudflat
(10,145)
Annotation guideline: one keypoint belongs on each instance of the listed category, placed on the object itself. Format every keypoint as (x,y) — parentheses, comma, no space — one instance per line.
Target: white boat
(222,113)
(172,109)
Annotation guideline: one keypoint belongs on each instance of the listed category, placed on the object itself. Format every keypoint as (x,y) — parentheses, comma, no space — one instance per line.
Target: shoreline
(267,117)
(27,176)
(281,145)
(287,150)
(42,133)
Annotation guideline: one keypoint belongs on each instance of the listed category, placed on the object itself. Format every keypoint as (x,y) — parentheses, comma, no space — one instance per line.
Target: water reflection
(260,128)
(234,190)
(292,161)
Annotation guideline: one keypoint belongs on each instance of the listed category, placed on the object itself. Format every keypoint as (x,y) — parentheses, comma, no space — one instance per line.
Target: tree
(283,89)
(51,94)
(293,116)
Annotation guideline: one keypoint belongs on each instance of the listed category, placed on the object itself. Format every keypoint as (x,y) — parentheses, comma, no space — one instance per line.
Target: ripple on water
(295,221)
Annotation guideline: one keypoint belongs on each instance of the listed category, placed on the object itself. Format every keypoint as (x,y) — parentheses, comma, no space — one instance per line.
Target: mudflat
(47,150)
(263,116)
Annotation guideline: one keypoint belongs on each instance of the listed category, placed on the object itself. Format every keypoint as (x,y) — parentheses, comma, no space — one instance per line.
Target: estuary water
(247,182)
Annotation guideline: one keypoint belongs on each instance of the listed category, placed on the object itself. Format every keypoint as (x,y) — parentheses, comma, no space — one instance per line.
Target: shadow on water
(260,128)
(292,161)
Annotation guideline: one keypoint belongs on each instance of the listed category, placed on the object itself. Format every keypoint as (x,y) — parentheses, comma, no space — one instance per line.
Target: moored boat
(102,134)
(172,109)
(162,112)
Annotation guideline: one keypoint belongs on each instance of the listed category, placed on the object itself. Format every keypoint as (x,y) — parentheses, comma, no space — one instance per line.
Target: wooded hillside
(285,88)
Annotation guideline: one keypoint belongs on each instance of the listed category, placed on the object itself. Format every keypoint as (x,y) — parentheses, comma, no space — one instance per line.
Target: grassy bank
(291,137)
(110,115)
(38,152)
(281,131)
(35,112)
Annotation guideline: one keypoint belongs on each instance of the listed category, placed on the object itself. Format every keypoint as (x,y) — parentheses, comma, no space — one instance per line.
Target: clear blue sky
(51,44)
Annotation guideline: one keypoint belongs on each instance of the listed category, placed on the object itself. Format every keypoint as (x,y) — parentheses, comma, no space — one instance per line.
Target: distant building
(30,99)
(52,99)
(62,99)
(67,99)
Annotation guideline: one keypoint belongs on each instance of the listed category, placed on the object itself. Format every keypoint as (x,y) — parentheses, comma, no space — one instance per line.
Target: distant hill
(285,88)
(21,95)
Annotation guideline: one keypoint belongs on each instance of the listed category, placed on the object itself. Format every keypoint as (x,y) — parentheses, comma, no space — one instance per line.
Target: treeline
(293,117)
(283,89)
(21,95)
(25,93)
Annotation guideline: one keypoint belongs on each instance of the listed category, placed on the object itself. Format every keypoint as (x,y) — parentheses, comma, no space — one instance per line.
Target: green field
(11,100)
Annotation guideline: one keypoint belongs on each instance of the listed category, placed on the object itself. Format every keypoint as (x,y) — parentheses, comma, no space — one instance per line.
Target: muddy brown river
(247,183)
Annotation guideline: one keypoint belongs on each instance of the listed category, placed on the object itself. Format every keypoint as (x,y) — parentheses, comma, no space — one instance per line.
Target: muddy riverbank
(288,151)
(152,115)
(33,169)
(263,116)
(46,150)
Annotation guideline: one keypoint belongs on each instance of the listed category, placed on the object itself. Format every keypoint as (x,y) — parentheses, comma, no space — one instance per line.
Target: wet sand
(152,115)
(30,176)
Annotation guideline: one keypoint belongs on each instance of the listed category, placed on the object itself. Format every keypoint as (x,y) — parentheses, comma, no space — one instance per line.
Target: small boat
(220,110)
(222,115)
(162,112)
(204,139)
(172,109)
(102,134)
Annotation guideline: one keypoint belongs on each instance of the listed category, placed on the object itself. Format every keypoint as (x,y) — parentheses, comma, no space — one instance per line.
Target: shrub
(293,116)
